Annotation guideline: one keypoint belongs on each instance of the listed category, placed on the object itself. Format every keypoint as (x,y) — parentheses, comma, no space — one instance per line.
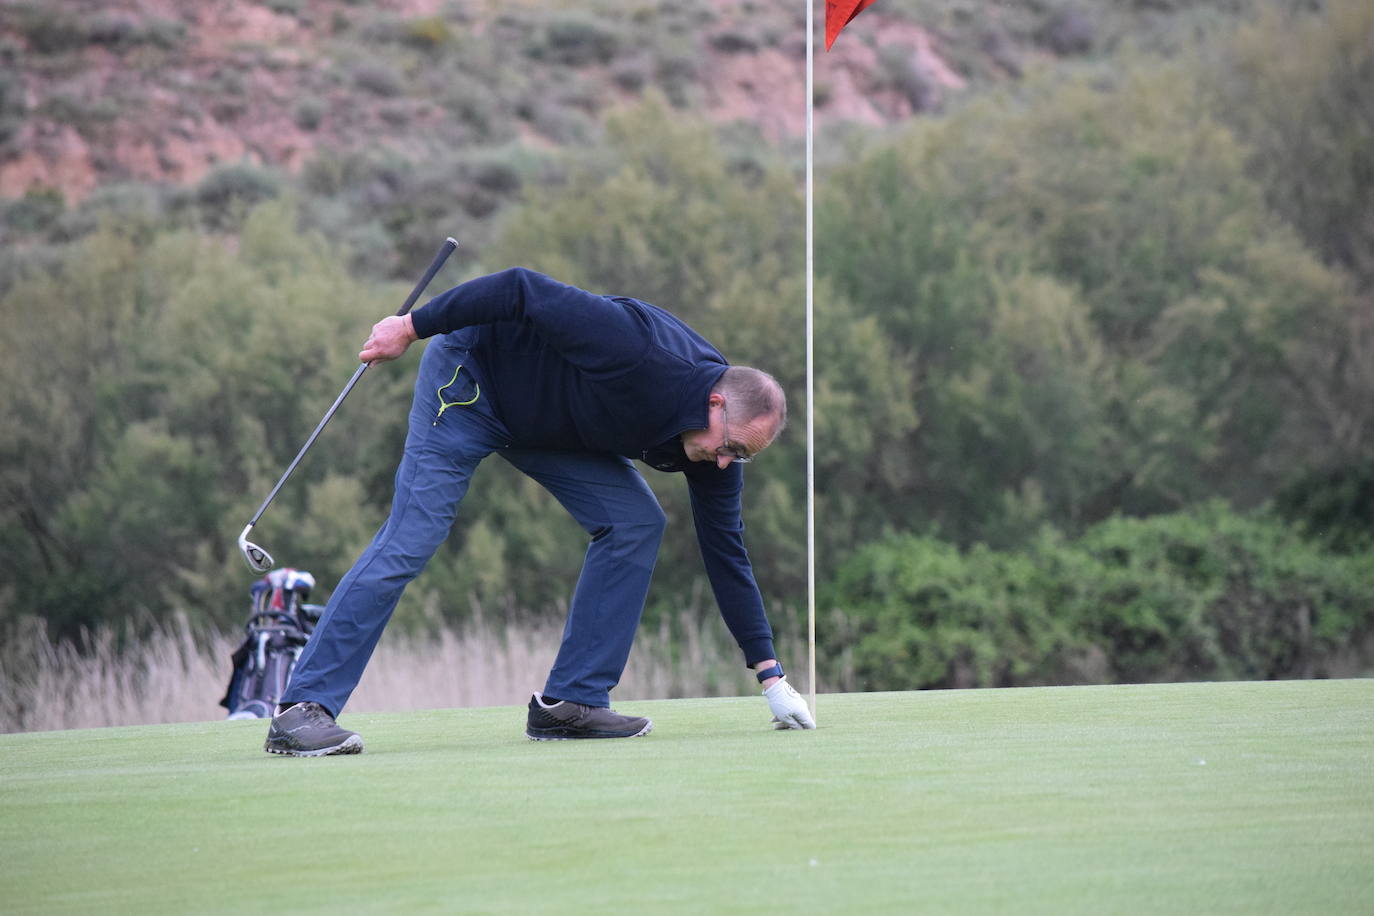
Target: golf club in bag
(279,625)
(260,560)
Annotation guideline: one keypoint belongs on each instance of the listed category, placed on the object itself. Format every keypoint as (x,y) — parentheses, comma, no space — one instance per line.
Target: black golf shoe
(308,730)
(563,721)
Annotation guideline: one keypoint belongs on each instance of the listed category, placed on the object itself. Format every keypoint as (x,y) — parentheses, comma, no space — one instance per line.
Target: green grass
(1191,798)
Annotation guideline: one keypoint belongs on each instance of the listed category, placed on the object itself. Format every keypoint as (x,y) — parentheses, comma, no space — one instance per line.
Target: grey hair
(753,393)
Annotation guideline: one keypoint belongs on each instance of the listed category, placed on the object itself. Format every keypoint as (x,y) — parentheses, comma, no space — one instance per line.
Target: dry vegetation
(175,675)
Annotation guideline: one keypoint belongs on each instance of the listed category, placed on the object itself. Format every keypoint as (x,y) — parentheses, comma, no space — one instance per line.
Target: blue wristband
(766,673)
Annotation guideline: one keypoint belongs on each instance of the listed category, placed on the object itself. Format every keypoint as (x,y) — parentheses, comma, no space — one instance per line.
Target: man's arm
(715,494)
(600,335)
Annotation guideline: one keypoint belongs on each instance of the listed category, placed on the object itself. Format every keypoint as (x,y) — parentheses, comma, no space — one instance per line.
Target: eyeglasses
(736,454)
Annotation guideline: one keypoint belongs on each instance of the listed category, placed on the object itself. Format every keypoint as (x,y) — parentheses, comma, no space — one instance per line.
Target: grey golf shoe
(565,721)
(308,730)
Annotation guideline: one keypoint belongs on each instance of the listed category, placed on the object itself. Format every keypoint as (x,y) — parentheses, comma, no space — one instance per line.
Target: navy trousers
(452,428)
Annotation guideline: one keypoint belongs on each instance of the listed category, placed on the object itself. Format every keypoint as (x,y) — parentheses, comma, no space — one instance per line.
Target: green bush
(576,40)
(903,73)
(1334,507)
(36,212)
(378,77)
(734,41)
(228,93)
(137,210)
(83,113)
(1070,30)
(676,71)
(121,31)
(224,195)
(309,113)
(473,107)
(13,107)
(428,32)
(918,612)
(1206,594)
(1211,594)
(285,7)
(48,30)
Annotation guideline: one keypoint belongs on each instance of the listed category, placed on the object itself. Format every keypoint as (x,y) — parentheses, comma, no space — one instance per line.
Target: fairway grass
(1182,798)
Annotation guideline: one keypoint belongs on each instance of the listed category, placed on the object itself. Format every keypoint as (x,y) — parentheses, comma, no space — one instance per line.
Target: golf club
(260,560)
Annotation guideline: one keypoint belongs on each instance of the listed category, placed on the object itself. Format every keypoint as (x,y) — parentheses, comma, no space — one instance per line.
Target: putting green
(1183,798)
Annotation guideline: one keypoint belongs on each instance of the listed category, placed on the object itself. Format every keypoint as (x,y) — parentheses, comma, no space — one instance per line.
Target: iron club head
(258,559)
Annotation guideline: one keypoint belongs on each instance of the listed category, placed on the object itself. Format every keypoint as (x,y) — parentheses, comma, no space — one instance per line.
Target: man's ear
(716,399)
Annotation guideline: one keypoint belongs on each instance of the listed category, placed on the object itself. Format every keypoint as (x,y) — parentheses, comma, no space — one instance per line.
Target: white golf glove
(789,709)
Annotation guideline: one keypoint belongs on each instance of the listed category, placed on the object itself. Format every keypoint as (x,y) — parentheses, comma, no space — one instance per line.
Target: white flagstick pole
(810,375)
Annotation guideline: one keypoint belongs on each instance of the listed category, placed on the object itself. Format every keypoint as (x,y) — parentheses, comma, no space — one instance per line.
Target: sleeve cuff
(420,320)
(757,650)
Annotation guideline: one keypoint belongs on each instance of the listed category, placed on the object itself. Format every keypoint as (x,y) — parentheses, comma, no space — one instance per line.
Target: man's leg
(611,500)
(441,453)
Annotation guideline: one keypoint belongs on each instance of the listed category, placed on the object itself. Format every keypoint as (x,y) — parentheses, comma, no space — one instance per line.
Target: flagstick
(810,377)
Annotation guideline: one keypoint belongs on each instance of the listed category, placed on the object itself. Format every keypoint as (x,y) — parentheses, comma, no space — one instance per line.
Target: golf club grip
(445,250)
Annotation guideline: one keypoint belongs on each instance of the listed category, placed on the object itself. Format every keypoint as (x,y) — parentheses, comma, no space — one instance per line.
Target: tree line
(1115,293)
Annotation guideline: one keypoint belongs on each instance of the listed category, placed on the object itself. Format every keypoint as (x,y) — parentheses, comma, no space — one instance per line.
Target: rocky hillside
(164,91)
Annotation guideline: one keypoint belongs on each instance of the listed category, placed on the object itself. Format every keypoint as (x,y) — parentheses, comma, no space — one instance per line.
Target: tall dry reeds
(172,673)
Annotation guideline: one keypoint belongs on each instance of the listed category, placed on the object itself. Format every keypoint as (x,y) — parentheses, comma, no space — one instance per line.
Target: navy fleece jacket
(568,369)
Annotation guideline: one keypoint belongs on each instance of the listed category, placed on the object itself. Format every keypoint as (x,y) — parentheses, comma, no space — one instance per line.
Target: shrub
(732,42)
(1070,31)
(921,613)
(1209,594)
(630,75)
(676,72)
(473,106)
(428,32)
(79,111)
(1333,507)
(378,78)
(121,31)
(114,28)
(162,33)
(13,106)
(284,7)
(576,41)
(135,209)
(1198,595)
(36,212)
(901,71)
(559,123)
(395,113)
(48,30)
(231,188)
(309,113)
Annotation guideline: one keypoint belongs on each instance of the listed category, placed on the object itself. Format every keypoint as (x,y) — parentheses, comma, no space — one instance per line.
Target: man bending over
(571,388)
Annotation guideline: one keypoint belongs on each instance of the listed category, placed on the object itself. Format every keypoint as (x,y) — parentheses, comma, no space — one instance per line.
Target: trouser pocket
(461,390)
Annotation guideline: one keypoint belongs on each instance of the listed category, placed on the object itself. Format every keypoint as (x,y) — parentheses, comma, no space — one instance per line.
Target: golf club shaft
(444,251)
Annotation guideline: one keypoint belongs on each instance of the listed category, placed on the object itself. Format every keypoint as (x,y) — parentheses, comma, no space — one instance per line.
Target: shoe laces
(317,714)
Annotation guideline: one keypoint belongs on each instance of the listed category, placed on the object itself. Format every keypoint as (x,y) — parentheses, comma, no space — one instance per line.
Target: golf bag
(278,628)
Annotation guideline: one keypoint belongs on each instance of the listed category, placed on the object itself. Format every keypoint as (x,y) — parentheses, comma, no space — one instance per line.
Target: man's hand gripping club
(389,339)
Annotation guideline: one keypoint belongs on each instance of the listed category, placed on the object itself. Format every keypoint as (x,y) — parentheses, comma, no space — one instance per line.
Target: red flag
(838,14)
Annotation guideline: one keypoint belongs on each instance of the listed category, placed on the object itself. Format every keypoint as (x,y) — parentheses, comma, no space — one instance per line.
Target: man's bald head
(754,397)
